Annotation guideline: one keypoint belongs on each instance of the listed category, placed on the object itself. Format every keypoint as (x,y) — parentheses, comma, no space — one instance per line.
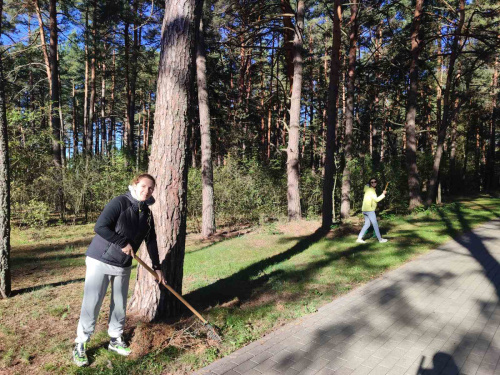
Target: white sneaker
(382,240)
(119,346)
(359,240)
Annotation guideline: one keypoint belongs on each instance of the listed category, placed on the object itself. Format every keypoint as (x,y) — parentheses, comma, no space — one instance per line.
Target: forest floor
(247,282)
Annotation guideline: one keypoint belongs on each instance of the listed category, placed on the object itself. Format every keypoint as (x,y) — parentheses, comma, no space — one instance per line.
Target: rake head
(212,333)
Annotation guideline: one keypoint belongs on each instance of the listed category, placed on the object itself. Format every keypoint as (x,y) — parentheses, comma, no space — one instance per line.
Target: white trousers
(97,279)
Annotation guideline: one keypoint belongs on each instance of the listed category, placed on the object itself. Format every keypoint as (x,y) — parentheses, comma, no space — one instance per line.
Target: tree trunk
(43,42)
(55,119)
(208,215)
(103,107)
(446,107)
(112,131)
(349,114)
(75,122)
(293,192)
(411,112)
(133,79)
(87,138)
(128,134)
(90,133)
(168,161)
(5,266)
(491,181)
(288,41)
(146,142)
(333,91)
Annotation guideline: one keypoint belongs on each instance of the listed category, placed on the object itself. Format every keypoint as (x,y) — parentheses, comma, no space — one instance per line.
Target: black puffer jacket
(124,220)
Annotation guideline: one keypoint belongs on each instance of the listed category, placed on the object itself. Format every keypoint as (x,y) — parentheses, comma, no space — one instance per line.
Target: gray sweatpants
(97,278)
(370,219)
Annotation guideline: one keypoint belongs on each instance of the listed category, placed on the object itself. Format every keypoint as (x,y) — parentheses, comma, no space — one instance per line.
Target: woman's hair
(373,178)
(138,178)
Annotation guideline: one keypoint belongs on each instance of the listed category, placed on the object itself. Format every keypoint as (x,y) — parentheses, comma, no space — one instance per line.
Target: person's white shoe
(359,240)
(382,240)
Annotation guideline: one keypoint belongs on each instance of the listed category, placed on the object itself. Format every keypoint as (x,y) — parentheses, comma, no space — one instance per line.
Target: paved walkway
(439,314)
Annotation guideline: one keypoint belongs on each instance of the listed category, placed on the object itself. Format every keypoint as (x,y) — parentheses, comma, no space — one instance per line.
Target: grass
(247,285)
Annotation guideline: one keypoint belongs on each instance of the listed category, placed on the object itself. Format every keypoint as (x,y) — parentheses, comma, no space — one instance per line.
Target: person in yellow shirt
(369,205)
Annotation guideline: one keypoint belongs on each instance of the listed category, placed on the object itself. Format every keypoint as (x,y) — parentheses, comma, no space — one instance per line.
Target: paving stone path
(438,314)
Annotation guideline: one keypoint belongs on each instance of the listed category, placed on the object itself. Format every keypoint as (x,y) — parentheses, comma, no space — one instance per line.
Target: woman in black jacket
(124,223)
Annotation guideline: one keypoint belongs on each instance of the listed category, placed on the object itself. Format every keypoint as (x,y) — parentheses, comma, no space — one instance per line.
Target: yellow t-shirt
(370,200)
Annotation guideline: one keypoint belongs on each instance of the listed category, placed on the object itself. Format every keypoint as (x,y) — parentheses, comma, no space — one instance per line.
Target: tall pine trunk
(411,112)
(208,215)
(333,91)
(111,130)
(349,113)
(128,133)
(491,181)
(75,120)
(87,138)
(168,161)
(90,132)
(433,183)
(103,107)
(5,267)
(293,192)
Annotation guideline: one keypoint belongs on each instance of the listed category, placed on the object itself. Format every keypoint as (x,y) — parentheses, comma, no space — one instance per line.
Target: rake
(211,332)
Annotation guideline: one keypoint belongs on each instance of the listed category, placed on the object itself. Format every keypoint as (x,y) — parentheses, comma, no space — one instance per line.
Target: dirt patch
(196,240)
(184,335)
(299,227)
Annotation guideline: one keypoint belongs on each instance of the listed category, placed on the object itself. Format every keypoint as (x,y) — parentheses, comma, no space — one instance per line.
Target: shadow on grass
(240,284)
(243,284)
(19,262)
(38,287)
(48,248)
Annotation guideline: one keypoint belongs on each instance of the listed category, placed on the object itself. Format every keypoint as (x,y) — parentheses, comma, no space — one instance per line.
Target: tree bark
(293,177)
(133,79)
(446,107)
(288,41)
(349,114)
(112,131)
(103,106)
(90,132)
(75,121)
(128,134)
(5,266)
(333,91)
(491,181)
(411,112)
(43,42)
(168,161)
(208,213)
(87,138)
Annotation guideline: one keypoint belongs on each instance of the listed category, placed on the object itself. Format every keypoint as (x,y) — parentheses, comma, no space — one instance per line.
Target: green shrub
(35,214)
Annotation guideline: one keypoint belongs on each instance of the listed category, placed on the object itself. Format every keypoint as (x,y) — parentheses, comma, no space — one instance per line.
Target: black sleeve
(105,225)
(153,246)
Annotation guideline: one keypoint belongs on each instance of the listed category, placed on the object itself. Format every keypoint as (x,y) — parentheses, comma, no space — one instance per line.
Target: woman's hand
(384,192)
(128,250)
(161,279)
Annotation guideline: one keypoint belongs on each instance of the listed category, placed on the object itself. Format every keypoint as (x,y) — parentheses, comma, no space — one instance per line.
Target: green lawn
(246,285)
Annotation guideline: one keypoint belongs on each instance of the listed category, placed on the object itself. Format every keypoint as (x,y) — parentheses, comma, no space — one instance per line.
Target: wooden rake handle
(139,260)
(386,186)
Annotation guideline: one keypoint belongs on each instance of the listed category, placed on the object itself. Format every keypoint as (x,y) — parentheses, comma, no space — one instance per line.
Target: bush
(243,193)
(34,214)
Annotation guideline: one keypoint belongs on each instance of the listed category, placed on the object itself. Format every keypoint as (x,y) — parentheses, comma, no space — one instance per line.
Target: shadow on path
(474,244)
(440,361)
